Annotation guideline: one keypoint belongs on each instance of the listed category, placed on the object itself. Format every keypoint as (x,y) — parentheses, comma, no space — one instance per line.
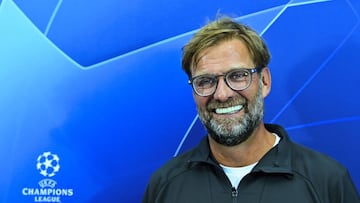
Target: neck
(248,152)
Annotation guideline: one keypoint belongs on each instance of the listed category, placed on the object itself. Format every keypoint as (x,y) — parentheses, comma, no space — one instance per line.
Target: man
(242,159)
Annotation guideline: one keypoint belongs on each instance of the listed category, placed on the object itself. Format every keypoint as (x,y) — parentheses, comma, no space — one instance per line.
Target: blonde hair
(222,29)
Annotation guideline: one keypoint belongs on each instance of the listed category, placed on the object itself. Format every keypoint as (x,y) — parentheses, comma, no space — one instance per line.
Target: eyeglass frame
(251,71)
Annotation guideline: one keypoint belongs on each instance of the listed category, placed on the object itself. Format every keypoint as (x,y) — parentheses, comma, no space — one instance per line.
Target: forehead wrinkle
(223,57)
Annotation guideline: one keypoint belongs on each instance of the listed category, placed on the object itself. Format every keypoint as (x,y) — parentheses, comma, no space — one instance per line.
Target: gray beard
(231,132)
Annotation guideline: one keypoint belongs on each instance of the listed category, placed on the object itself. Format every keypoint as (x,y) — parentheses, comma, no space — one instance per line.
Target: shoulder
(304,160)
(312,166)
(324,174)
(320,171)
(171,170)
(174,166)
(310,161)
(183,162)
(163,176)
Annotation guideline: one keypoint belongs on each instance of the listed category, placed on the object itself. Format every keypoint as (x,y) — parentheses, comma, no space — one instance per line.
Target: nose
(223,92)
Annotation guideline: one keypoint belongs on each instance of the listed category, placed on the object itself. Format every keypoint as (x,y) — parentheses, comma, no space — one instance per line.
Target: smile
(229,110)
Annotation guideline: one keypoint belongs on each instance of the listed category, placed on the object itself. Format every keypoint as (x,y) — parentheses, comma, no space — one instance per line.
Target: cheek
(201,102)
(251,92)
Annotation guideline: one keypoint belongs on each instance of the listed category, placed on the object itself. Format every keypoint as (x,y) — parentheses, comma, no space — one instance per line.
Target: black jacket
(288,173)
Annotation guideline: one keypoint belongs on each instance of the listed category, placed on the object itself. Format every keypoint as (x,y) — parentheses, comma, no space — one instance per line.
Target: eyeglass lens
(237,79)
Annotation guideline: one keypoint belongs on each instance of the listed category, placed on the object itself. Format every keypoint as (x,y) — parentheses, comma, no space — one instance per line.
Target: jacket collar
(277,160)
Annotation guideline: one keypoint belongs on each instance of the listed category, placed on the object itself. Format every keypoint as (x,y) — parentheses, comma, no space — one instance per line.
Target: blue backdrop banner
(93,99)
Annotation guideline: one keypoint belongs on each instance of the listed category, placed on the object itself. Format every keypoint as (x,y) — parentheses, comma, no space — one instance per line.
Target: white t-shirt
(236,174)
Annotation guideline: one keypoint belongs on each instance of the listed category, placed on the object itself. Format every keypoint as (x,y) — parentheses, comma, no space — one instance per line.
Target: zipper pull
(234,192)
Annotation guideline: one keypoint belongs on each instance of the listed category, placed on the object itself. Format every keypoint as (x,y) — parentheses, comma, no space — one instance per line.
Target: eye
(238,75)
(205,82)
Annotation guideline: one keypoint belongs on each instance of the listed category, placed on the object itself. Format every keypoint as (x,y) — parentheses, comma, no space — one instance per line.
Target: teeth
(228,110)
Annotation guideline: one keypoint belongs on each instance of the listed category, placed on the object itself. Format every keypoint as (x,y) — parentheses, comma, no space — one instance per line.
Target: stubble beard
(233,131)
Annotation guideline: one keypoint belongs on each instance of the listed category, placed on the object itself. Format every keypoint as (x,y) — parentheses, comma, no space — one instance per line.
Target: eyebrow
(223,73)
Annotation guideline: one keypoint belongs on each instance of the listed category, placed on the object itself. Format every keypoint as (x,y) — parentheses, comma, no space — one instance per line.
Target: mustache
(214,104)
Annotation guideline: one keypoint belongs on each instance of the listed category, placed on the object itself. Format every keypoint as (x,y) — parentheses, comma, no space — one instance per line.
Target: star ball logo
(48,165)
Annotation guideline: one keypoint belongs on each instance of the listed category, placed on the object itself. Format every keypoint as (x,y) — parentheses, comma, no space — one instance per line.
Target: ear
(266,81)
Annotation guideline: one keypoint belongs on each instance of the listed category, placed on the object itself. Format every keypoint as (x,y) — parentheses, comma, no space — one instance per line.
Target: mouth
(229,110)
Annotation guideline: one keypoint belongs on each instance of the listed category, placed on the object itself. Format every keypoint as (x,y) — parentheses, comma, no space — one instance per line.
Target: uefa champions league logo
(48,164)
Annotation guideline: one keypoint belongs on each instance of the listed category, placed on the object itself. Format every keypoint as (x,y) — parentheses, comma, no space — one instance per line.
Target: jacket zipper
(234,194)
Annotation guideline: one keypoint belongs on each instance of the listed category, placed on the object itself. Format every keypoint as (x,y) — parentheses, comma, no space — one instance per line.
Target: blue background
(99,83)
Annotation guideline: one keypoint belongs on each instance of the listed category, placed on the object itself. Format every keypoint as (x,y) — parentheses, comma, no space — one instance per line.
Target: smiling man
(242,159)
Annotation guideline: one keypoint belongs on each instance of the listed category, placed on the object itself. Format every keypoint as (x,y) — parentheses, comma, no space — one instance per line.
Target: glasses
(237,79)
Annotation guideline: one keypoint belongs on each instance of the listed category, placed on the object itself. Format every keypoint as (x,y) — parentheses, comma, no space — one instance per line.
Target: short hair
(220,30)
